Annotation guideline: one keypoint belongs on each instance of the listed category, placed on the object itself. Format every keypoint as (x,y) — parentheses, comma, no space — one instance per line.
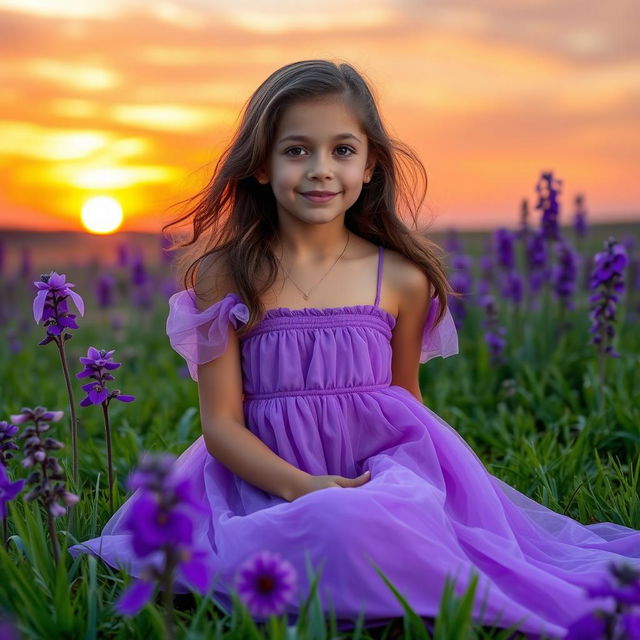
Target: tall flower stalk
(8,490)
(51,306)
(606,282)
(97,366)
(36,453)
(162,525)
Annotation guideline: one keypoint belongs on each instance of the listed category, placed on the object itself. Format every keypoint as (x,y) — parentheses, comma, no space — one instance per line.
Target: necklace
(307,294)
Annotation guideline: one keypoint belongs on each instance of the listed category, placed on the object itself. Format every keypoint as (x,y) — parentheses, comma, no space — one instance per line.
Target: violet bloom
(461,282)
(486,263)
(97,365)
(548,189)
(452,241)
(503,245)
(590,626)
(123,254)
(606,282)
(565,274)
(494,334)
(36,452)
(105,289)
(50,305)
(512,287)
(163,522)
(8,491)
(8,432)
(580,218)
(266,583)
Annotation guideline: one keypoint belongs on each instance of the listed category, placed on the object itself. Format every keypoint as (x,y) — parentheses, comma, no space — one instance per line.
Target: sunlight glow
(102,214)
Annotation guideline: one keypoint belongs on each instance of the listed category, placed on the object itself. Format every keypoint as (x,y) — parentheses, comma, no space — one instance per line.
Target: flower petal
(134,597)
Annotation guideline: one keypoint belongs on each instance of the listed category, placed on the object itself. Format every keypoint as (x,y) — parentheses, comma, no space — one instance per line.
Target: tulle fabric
(318,392)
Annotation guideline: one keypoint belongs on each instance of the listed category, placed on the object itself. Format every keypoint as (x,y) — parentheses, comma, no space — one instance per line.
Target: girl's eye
(342,146)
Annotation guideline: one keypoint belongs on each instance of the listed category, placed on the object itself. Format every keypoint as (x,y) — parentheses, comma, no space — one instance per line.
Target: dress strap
(380,253)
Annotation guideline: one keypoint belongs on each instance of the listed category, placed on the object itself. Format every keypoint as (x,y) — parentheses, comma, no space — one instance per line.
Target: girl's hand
(313,483)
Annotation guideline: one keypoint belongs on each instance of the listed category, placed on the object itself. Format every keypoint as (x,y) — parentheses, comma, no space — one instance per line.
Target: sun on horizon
(101,214)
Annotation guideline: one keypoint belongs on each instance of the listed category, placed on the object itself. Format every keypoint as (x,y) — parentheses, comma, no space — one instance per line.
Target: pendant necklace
(306,294)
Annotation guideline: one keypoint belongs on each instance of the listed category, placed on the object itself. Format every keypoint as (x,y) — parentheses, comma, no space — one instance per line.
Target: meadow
(541,406)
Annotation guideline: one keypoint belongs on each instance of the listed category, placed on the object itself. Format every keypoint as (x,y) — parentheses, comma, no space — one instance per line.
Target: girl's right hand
(313,483)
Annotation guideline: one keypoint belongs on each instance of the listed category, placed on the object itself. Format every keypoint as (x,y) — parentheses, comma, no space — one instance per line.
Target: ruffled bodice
(300,350)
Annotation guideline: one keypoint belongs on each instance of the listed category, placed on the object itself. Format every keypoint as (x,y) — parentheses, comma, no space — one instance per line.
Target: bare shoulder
(213,281)
(406,279)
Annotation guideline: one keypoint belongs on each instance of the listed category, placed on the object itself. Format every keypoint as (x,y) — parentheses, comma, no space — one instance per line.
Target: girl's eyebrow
(340,136)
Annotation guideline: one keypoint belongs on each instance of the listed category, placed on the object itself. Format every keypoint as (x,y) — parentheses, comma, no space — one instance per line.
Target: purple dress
(318,392)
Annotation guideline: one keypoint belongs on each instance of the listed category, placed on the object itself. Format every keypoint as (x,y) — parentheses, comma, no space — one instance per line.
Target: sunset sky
(134,99)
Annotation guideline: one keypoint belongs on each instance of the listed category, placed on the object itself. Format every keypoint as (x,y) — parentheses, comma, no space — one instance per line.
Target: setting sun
(102,214)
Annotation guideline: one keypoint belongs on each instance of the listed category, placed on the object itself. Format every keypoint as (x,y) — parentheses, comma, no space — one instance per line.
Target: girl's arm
(222,418)
(413,292)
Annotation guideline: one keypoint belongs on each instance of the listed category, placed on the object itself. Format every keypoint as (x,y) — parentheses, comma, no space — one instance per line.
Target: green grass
(535,421)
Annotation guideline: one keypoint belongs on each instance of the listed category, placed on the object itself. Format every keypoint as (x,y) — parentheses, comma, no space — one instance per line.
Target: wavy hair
(235,216)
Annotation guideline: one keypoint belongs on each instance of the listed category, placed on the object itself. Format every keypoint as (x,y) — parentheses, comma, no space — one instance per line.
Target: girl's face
(318,146)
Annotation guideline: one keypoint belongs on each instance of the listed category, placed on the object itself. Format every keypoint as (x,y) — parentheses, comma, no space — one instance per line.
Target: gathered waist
(363,388)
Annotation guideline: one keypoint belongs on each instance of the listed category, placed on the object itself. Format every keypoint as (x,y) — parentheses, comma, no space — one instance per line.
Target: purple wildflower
(512,287)
(565,274)
(8,432)
(452,241)
(494,334)
(590,626)
(461,282)
(8,629)
(486,263)
(622,583)
(170,507)
(266,583)
(580,217)
(50,305)
(97,365)
(123,254)
(548,189)
(105,286)
(606,282)
(36,452)
(503,244)
(8,490)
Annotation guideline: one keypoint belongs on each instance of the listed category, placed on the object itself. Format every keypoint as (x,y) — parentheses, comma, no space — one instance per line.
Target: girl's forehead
(321,116)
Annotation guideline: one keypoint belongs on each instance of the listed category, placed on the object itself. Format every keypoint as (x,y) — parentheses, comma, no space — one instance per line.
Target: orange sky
(131,99)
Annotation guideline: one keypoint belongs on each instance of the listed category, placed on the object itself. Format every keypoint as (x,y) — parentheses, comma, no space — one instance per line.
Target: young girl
(309,308)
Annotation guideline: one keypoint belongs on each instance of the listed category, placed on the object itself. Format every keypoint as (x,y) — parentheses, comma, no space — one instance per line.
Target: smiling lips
(319,196)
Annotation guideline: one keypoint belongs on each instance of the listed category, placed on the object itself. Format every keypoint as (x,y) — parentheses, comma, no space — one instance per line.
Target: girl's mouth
(319,199)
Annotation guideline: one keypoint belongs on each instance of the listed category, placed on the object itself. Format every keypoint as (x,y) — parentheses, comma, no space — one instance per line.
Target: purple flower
(162,522)
(512,287)
(580,217)
(606,282)
(266,583)
(631,623)
(461,282)
(494,334)
(7,434)
(97,365)
(36,450)
(590,626)
(452,241)
(622,583)
(8,490)
(105,286)
(548,189)
(565,273)
(50,305)
(503,243)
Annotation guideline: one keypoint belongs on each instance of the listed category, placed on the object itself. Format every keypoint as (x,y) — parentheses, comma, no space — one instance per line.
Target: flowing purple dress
(317,390)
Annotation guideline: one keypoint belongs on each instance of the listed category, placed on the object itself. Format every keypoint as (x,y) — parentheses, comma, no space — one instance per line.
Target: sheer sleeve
(200,336)
(441,340)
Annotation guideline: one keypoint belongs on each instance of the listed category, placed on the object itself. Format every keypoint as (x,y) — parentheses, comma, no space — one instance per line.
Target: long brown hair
(241,213)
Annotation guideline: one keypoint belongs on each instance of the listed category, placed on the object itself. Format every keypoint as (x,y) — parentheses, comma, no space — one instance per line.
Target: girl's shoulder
(213,281)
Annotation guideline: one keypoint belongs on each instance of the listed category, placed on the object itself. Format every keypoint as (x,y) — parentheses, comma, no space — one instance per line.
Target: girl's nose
(320,168)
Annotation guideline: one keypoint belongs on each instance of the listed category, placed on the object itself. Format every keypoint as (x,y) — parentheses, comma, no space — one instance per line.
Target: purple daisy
(266,583)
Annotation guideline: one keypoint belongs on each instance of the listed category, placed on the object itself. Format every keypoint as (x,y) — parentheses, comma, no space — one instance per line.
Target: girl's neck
(325,245)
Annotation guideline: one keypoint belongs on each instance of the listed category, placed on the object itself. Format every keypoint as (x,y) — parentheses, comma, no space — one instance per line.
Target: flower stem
(52,527)
(5,533)
(72,407)
(107,429)
(167,579)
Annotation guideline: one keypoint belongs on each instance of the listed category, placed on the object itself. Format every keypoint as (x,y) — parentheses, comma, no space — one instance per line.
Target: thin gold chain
(307,294)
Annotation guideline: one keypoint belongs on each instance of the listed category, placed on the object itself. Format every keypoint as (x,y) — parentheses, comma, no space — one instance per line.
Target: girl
(307,308)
